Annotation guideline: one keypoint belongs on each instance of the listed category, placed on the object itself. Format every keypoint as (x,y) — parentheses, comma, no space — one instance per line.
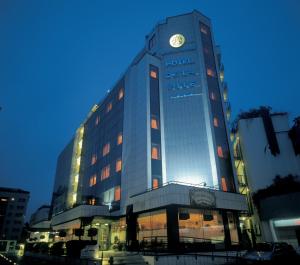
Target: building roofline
(15,190)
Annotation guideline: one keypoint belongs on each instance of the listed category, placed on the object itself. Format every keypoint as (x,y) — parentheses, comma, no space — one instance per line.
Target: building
(13,204)
(152,160)
(40,230)
(264,149)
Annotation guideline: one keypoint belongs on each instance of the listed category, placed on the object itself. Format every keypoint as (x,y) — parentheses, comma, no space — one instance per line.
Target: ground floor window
(197,225)
(118,231)
(232,223)
(152,226)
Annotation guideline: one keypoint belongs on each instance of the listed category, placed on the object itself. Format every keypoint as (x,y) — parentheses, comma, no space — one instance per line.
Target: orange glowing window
(117,193)
(119,165)
(94,159)
(97,120)
(108,107)
(224,184)
(92,201)
(120,139)
(210,72)
(153,74)
(203,29)
(216,122)
(155,152)
(121,94)
(106,149)
(105,172)
(93,180)
(220,151)
(155,183)
(213,96)
(154,123)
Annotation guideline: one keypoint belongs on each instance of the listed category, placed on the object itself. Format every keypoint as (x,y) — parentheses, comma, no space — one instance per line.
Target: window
(203,29)
(154,123)
(117,193)
(93,180)
(220,152)
(97,120)
(94,159)
(155,183)
(105,172)
(210,72)
(216,122)
(108,107)
(106,149)
(92,201)
(155,154)
(120,139)
(212,96)
(121,94)
(153,74)
(224,184)
(119,165)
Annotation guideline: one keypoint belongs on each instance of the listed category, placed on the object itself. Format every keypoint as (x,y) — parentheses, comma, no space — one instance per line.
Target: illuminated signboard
(177,40)
(203,198)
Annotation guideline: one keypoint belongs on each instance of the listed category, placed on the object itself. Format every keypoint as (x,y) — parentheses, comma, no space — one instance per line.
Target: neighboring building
(152,159)
(264,149)
(40,224)
(13,204)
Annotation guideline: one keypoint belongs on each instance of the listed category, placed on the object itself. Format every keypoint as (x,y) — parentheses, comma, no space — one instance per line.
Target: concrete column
(172,227)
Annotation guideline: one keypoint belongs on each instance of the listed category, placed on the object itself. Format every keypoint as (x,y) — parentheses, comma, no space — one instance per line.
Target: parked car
(270,253)
(90,252)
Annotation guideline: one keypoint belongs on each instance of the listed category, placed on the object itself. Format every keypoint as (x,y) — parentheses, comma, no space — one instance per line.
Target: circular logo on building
(177,40)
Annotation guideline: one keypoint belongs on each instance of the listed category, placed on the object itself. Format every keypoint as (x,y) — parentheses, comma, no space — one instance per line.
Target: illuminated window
(105,172)
(216,122)
(108,107)
(93,180)
(119,165)
(121,93)
(212,96)
(203,29)
(154,123)
(117,193)
(210,72)
(106,149)
(153,74)
(94,159)
(120,139)
(97,120)
(155,183)
(155,154)
(220,151)
(92,201)
(222,76)
(224,184)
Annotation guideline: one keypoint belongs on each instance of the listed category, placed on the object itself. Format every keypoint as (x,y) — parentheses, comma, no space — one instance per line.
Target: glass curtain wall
(152,226)
(197,225)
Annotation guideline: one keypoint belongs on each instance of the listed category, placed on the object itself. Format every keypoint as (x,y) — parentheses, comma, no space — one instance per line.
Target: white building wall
(261,166)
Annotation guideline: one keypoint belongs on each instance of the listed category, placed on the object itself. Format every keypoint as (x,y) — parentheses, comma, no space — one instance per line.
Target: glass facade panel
(232,228)
(118,231)
(152,225)
(197,225)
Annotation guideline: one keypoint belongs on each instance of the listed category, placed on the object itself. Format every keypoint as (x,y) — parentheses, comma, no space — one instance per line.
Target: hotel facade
(152,160)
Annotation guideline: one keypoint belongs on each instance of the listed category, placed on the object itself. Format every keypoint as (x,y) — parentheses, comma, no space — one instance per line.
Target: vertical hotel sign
(181,73)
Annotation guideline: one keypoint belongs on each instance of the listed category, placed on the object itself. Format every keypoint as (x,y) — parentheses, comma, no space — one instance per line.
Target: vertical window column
(156,166)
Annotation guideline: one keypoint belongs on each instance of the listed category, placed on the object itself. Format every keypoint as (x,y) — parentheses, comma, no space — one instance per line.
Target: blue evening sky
(58,58)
